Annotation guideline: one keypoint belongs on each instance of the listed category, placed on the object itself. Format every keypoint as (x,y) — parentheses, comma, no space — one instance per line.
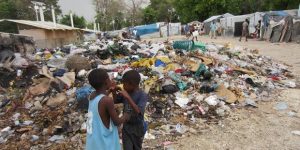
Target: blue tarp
(146,29)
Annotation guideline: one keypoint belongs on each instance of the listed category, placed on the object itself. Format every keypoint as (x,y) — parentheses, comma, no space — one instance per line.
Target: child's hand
(125,94)
(114,87)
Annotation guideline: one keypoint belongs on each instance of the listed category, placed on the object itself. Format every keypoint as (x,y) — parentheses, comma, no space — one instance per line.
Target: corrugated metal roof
(40,24)
(217,17)
(91,31)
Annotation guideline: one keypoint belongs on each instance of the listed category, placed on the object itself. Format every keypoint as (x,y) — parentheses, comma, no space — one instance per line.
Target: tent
(233,25)
(146,29)
(174,29)
(208,21)
(281,26)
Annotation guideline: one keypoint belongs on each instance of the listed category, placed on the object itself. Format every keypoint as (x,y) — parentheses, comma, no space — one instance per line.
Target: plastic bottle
(176,77)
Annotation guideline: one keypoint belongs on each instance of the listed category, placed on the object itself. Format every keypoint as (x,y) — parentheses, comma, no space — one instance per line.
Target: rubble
(44,107)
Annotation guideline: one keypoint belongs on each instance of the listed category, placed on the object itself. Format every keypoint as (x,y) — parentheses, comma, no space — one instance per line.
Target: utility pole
(39,6)
(53,15)
(95,26)
(71,17)
(113,22)
(36,8)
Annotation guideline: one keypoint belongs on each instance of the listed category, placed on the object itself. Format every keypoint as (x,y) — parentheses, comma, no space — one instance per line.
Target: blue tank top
(98,136)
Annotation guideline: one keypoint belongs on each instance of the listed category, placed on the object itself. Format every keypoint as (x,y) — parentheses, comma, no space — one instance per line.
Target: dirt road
(255,128)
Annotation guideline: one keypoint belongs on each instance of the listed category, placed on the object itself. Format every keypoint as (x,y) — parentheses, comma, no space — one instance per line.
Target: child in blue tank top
(102,122)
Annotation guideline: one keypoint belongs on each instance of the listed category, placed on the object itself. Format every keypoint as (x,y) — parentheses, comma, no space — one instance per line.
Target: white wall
(253,18)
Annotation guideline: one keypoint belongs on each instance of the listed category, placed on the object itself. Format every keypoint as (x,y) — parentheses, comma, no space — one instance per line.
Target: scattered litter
(189,83)
(56,138)
(281,106)
(296,132)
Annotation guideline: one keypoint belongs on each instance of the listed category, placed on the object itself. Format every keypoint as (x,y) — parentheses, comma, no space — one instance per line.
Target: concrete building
(48,34)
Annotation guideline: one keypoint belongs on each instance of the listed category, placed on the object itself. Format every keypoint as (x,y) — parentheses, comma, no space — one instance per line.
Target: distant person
(213,28)
(245,30)
(258,28)
(201,32)
(194,32)
(102,121)
(186,29)
(219,28)
(134,100)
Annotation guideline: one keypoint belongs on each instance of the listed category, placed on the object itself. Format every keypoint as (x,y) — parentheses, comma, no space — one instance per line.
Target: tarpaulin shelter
(233,24)
(281,26)
(208,21)
(146,29)
(174,29)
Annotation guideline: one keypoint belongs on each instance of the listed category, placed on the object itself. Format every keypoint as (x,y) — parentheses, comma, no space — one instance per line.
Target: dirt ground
(255,128)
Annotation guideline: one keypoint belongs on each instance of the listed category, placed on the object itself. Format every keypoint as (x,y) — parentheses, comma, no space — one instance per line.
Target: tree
(134,10)
(6,9)
(26,9)
(111,14)
(23,10)
(79,22)
(149,15)
(160,11)
(190,10)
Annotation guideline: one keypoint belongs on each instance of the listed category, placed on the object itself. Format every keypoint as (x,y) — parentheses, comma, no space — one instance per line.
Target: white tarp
(229,22)
(217,17)
(299,11)
(175,29)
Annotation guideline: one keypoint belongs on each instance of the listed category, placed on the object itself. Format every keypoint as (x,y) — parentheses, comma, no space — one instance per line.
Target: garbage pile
(43,104)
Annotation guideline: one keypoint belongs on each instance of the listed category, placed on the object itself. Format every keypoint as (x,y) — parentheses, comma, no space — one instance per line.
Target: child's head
(99,79)
(131,80)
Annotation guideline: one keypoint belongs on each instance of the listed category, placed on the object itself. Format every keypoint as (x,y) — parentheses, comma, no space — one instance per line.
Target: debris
(223,92)
(34,138)
(250,102)
(57,138)
(5,133)
(181,101)
(296,132)
(57,100)
(37,106)
(149,136)
(59,63)
(281,106)
(68,79)
(82,95)
(187,87)
(212,100)
(181,128)
(41,88)
(77,63)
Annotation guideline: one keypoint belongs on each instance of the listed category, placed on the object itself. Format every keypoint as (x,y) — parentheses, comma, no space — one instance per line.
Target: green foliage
(23,10)
(111,15)
(149,15)
(79,22)
(6,9)
(190,10)
(160,11)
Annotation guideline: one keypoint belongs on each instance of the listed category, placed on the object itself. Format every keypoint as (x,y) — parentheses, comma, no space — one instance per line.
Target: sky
(83,8)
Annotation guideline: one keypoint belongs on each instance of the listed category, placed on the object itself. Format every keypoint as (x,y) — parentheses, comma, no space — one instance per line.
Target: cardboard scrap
(222,91)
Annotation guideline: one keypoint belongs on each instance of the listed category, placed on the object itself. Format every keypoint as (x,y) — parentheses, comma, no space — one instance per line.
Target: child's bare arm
(110,108)
(130,102)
